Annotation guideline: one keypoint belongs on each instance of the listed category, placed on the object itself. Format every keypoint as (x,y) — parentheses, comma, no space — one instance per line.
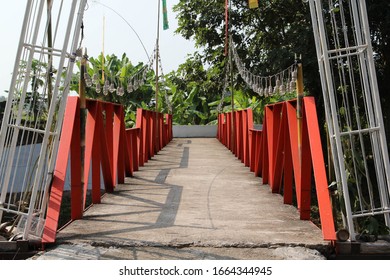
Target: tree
(193,88)
(267,38)
(119,73)
(380,34)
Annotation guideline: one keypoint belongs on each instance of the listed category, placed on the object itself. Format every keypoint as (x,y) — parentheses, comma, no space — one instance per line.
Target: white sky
(119,38)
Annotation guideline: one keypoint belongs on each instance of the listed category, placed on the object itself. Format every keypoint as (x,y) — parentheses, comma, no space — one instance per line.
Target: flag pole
(299,86)
(156,137)
(230,42)
(157,51)
(226,26)
(104,30)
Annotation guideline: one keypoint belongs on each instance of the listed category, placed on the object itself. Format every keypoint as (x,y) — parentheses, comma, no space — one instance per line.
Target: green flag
(165,15)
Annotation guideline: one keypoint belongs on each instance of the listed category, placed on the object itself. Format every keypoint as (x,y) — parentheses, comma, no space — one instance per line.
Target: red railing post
(293,140)
(237,130)
(278,155)
(170,132)
(151,133)
(76,187)
(110,148)
(135,148)
(258,154)
(229,131)
(92,148)
(105,150)
(324,201)
(273,154)
(147,136)
(140,136)
(161,131)
(122,147)
(244,144)
(118,150)
(57,186)
(166,130)
(219,127)
(288,164)
(129,164)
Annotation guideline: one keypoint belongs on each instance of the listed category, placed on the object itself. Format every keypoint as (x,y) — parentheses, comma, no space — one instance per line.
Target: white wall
(195,131)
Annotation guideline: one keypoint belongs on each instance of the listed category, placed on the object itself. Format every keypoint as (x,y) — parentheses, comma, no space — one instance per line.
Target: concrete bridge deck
(194,200)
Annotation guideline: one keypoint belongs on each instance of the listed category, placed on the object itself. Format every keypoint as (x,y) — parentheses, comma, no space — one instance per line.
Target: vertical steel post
(155,127)
(299,86)
(83,116)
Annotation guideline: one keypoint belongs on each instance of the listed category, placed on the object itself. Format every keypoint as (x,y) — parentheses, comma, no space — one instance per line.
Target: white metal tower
(353,110)
(34,111)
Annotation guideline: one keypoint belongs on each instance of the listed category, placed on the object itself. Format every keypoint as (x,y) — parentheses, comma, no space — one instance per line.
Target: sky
(119,37)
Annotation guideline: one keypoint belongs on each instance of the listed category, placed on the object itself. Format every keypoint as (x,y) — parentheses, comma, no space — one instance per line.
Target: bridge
(247,193)
(193,199)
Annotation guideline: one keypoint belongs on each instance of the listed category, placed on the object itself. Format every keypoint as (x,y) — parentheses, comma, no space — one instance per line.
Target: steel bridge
(150,190)
(192,193)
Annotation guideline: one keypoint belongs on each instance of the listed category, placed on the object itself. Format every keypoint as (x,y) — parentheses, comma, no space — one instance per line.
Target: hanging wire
(225,87)
(274,84)
(167,101)
(135,32)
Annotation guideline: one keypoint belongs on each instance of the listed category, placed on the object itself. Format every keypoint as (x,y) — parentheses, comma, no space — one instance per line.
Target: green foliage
(266,38)
(371,226)
(37,92)
(194,89)
(118,71)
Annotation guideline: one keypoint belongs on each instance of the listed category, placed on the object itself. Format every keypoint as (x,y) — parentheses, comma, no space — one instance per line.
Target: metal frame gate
(353,110)
(34,112)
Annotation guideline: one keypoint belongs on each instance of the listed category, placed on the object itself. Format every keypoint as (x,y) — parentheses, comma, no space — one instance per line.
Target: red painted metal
(57,188)
(153,132)
(90,148)
(229,131)
(287,166)
(109,147)
(146,122)
(324,201)
(96,190)
(264,152)
(109,132)
(273,154)
(237,133)
(161,131)
(117,164)
(252,147)
(76,187)
(140,139)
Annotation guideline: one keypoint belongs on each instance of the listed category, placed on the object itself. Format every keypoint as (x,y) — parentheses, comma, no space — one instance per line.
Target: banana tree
(111,78)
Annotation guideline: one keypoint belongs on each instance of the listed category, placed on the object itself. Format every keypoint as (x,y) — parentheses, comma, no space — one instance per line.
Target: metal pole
(156,136)
(8,108)
(83,111)
(104,29)
(157,50)
(232,92)
(231,74)
(50,47)
(299,107)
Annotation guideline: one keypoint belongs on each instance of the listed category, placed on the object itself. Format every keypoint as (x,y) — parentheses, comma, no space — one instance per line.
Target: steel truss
(34,112)
(353,110)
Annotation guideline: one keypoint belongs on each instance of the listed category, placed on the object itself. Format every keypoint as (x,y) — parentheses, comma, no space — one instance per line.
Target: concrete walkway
(194,200)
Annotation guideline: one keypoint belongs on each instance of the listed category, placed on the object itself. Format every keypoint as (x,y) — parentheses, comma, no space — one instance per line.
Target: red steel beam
(76,187)
(273,154)
(324,201)
(57,187)
(109,147)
